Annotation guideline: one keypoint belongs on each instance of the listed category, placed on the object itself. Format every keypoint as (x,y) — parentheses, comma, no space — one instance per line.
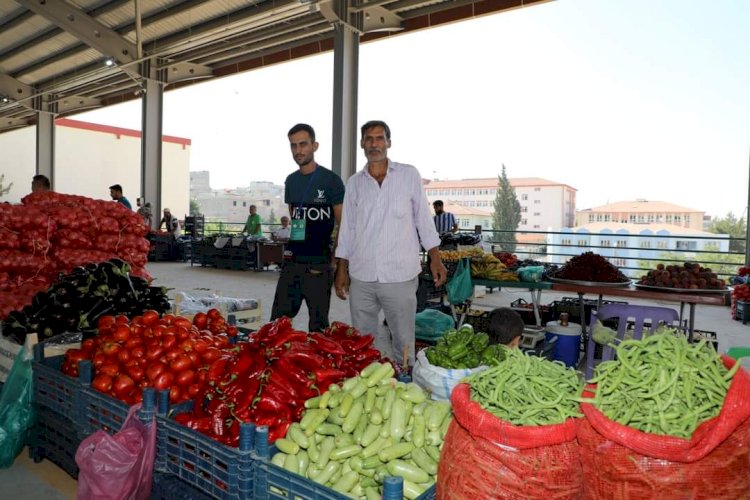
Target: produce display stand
(535,290)
(268,252)
(691,299)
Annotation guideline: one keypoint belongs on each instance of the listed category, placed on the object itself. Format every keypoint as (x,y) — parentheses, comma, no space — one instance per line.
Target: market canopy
(61,57)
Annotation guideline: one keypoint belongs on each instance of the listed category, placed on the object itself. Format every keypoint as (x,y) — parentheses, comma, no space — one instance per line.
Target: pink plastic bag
(118,467)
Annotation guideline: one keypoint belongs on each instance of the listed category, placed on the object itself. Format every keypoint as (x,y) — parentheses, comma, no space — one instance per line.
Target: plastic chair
(624,312)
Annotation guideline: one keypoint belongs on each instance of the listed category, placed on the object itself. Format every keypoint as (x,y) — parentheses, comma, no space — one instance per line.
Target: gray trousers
(399,304)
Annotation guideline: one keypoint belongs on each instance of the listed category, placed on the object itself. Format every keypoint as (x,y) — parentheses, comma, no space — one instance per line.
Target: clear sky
(620,99)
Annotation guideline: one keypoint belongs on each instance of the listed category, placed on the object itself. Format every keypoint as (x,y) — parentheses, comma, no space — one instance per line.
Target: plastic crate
(710,337)
(273,482)
(101,412)
(477,318)
(213,468)
(526,310)
(169,487)
(56,391)
(428,293)
(572,306)
(742,311)
(55,438)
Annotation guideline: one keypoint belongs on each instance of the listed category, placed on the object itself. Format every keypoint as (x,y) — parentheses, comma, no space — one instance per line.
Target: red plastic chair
(624,313)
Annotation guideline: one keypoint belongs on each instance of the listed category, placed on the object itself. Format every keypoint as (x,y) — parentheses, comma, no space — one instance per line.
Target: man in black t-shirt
(315,196)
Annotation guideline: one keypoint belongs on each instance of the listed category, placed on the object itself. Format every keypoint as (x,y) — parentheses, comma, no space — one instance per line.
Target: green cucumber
(326,447)
(304,462)
(418,431)
(370,435)
(379,374)
(376,416)
(287,446)
(433,452)
(424,461)
(369,369)
(278,459)
(343,440)
(370,400)
(346,404)
(297,435)
(328,429)
(395,451)
(359,430)
(327,473)
(408,471)
(352,418)
(346,482)
(345,452)
(291,463)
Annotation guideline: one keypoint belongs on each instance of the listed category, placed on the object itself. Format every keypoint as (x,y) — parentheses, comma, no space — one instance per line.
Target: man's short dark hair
(302,127)
(438,203)
(376,123)
(116,187)
(505,325)
(43,180)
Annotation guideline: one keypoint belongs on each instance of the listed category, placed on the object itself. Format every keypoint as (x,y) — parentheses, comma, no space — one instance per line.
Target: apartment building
(231,205)
(643,211)
(545,204)
(468,218)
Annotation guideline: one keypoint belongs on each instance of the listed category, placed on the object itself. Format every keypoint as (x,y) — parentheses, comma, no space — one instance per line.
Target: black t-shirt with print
(321,190)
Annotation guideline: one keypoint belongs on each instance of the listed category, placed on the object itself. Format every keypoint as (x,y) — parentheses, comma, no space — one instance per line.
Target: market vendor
(386,216)
(253,223)
(170,223)
(283,233)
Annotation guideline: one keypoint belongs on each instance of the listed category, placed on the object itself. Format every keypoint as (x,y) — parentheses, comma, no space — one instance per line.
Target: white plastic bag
(439,382)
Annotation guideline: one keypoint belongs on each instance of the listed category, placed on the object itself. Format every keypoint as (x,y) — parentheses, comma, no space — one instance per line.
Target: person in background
(115,191)
(253,223)
(282,233)
(386,217)
(144,210)
(445,222)
(171,224)
(315,196)
(506,327)
(40,184)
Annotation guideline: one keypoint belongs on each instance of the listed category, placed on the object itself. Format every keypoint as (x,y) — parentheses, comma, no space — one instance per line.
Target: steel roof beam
(91,32)
(16,90)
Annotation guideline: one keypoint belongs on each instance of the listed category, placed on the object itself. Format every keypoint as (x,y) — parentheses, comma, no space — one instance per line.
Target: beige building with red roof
(643,212)
(544,204)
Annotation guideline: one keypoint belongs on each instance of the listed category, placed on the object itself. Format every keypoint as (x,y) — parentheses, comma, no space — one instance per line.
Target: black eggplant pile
(78,299)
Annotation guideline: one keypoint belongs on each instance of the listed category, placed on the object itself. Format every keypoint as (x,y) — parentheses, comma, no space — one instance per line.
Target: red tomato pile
(267,379)
(170,352)
(51,233)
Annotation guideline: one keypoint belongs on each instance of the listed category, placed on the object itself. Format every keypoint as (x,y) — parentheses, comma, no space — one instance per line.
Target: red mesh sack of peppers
(267,379)
(513,434)
(50,233)
(668,420)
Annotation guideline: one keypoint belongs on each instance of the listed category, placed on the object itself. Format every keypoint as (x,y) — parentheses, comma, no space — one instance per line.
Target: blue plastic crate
(218,470)
(53,390)
(169,487)
(274,482)
(55,438)
(101,412)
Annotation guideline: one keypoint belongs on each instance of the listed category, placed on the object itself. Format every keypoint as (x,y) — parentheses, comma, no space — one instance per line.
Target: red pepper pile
(51,233)
(743,271)
(165,353)
(267,379)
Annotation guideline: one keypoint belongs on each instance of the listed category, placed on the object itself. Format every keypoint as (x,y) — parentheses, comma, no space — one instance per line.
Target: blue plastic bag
(16,409)
(460,287)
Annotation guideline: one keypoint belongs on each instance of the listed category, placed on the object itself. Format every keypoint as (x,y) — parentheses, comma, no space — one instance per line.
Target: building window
(537,189)
(537,214)
(646,244)
(661,245)
(677,218)
(244,203)
(536,226)
(669,218)
(566,242)
(524,209)
(686,245)
(606,243)
(606,217)
(524,222)
(537,201)
(582,243)
(464,222)
(687,219)
(524,197)
(632,219)
(651,218)
(598,217)
(618,262)
(622,243)
(234,203)
(641,219)
(591,217)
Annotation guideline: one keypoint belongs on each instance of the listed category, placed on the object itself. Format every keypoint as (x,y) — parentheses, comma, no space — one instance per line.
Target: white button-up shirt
(382,225)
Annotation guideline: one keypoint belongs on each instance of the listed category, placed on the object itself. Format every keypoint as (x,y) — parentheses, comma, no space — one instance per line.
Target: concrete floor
(26,480)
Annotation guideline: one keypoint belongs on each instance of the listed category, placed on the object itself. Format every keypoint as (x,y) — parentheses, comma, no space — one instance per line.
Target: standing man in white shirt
(386,217)
(282,233)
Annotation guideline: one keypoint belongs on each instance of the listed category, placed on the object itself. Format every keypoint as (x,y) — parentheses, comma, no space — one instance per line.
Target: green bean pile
(527,390)
(662,384)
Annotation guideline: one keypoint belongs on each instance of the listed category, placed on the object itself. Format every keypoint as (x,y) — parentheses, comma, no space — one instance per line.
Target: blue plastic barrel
(568,342)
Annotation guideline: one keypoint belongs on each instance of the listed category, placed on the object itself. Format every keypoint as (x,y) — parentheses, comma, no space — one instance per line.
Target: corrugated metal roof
(56,49)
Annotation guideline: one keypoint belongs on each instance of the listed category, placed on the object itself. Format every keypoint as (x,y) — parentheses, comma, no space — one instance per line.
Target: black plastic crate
(428,293)
(572,306)
(711,338)
(742,311)
(526,310)
(477,318)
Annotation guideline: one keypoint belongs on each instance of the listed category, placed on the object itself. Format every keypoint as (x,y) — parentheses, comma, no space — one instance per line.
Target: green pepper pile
(463,348)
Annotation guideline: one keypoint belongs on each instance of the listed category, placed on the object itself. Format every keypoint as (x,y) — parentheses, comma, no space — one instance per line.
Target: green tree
(734,227)
(195,207)
(272,218)
(3,188)
(507,214)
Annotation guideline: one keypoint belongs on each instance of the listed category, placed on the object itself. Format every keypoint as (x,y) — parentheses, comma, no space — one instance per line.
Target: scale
(532,336)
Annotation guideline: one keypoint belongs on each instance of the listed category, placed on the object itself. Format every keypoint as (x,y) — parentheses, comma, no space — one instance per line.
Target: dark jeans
(311,282)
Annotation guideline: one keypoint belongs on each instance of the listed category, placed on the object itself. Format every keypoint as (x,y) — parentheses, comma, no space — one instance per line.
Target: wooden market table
(691,299)
(534,288)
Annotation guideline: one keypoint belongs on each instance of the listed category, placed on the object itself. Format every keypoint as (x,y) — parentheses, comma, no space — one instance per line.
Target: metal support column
(45,139)
(345,85)
(151,136)
(747,224)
